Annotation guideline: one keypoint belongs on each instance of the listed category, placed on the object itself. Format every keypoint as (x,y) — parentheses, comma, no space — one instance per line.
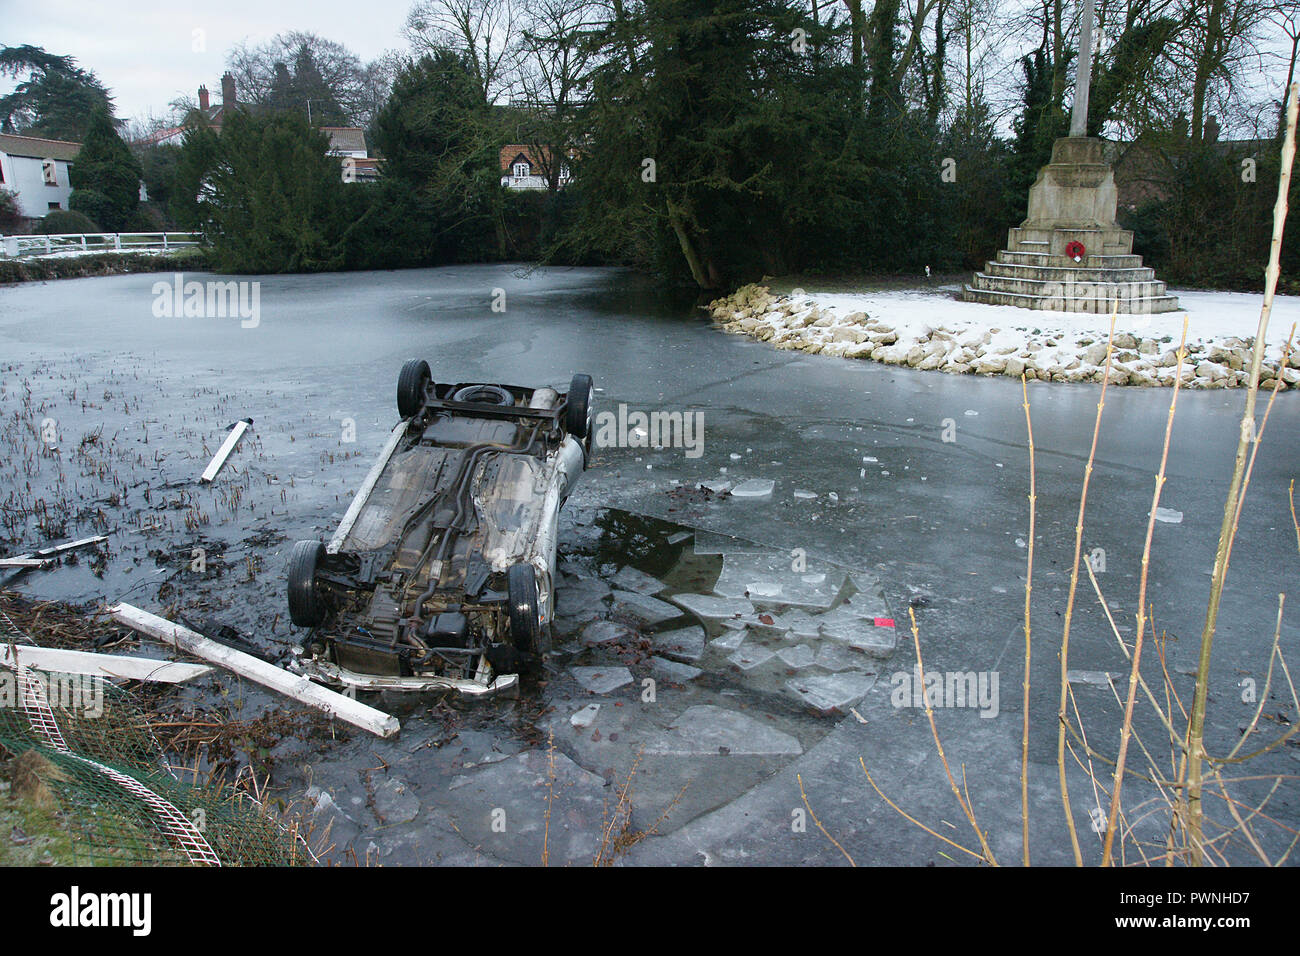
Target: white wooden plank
(101,665)
(70,546)
(255,669)
(227,446)
(363,493)
(24,562)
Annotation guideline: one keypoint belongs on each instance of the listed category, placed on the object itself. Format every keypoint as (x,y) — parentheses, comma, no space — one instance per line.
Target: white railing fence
(15,246)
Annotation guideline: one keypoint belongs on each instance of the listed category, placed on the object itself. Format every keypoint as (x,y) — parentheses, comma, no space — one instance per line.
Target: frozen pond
(718,643)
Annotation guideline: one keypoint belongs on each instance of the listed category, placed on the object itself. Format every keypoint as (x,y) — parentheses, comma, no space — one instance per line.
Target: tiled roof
(37,148)
(346,139)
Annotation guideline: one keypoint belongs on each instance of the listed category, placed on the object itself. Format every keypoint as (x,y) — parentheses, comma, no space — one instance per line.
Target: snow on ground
(78,253)
(1211,316)
(932,329)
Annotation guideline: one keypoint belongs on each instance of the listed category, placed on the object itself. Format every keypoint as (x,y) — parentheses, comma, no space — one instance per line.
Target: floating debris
(219,459)
(257,670)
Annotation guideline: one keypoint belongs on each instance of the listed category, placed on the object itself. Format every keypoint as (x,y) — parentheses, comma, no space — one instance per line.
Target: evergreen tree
(57,100)
(189,195)
(105,176)
(310,93)
(276,202)
(441,141)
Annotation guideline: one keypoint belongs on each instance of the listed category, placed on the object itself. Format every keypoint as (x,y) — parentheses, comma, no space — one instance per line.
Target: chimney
(203,98)
(1211,129)
(228,90)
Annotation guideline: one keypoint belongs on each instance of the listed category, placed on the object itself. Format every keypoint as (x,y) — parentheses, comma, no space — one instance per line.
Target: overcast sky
(147,51)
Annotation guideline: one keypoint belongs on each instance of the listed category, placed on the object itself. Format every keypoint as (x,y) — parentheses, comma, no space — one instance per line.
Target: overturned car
(441,572)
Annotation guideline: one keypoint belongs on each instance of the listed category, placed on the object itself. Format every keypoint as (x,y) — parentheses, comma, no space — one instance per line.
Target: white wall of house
(26,176)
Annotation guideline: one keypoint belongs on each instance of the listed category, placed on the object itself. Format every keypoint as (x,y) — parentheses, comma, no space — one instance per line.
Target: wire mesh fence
(85,743)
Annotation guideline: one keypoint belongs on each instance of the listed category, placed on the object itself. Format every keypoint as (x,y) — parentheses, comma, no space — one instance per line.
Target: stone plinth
(1072,200)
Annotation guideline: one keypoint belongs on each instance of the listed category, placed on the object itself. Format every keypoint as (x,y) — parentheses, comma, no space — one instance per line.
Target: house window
(564,172)
(522,170)
(54,205)
(50,172)
(2,174)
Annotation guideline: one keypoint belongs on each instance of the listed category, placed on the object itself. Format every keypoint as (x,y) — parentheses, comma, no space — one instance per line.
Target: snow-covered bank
(933,330)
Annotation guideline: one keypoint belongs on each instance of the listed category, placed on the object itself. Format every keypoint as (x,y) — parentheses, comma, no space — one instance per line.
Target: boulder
(849,334)
(1212,371)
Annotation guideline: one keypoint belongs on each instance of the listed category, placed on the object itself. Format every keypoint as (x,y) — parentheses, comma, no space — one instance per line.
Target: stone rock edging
(785,323)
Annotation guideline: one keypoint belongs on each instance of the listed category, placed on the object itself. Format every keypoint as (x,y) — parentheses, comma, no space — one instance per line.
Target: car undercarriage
(441,572)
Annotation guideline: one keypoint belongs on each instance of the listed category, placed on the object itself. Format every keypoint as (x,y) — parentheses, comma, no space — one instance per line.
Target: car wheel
(306,604)
(484,395)
(412,383)
(577,417)
(526,631)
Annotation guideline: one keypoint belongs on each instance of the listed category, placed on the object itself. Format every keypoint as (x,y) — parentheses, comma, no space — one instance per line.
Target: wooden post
(255,669)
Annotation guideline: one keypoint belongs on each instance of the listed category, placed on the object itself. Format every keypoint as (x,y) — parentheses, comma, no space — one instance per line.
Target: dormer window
(522,170)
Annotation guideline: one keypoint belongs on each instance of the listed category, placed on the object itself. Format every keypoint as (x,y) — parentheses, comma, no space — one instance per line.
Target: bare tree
(341,71)
(485,31)
(553,63)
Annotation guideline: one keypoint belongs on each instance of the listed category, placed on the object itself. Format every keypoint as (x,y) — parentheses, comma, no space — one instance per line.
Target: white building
(37,171)
(349,144)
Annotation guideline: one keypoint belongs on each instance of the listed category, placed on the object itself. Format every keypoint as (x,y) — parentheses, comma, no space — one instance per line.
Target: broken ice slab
(585,717)
(712,608)
(1169,515)
(630,579)
(863,635)
(799,656)
(717,487)
(837,657)
(805,495)
(769,579)
(709,730)
(706,542)
(798,623)
(576,592)
(643,608)
(858,607)
(686,643)
(753,488)
(750,655)
(763,624)
(867,588)
(603,632)
(674,671)
(578,618)
(729,642)
(602,680)
(829,692)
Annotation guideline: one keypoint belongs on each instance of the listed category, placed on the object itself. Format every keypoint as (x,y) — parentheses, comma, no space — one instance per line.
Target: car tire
(526,631)
(306,604)
(577,415)
(412,383)
(484,395)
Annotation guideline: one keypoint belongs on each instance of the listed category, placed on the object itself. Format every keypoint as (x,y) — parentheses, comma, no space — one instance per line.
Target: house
(523,167)
(346,142)
(205,114)
(349,144)
(36,170)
